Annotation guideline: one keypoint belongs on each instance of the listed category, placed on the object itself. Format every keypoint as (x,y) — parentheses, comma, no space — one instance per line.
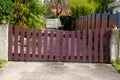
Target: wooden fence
(49,45)
(97,21)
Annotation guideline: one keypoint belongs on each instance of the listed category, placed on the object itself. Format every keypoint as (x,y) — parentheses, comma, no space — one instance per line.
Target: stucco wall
(115,45)
(4,42)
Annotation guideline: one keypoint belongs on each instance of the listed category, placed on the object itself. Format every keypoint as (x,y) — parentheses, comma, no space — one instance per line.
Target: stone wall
(115,45)
(4,42)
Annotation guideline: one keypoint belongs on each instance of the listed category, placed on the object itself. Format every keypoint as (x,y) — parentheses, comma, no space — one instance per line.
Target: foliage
(101,8)
(81,7)
(117,65)
(29,13)
(66,22)
(1,63)
(6,10)
(81,11)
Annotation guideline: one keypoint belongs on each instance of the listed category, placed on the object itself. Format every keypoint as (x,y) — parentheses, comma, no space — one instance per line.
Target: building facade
(115,7)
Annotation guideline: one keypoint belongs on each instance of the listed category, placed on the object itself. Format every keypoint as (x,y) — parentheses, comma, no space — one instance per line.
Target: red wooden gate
(50,45)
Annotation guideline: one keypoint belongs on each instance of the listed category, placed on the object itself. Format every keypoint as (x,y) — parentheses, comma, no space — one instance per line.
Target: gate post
(115,45)
(4,42)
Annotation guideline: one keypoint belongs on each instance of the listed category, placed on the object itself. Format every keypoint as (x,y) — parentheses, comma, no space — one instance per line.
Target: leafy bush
(1,63)
(29,13)
(67,22)
(117,65)
(6,10)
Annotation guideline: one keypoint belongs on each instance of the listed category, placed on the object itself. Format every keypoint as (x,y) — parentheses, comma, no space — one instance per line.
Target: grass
(117,65)
(1,63)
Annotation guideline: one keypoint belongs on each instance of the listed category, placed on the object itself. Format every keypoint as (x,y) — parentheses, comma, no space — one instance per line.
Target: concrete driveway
(57,71)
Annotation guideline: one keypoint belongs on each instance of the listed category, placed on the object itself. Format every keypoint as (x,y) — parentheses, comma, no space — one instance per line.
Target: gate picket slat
(51,44)
(90,45)
(61,46)
(16,43)
(39,44)
(34,45)
(72,45)
(96,45)
(67,45)
(28,44)
(84,46)
(101,45)
(10,33)
(22,44)
(108,32)
(57,45)
(78,45)
(45,44)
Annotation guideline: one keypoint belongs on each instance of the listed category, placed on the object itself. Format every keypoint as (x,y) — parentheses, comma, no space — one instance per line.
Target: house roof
(115,4)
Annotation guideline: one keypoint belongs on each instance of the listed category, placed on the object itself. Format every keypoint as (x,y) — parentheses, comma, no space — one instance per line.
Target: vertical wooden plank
(90,45)
(80,22)
(72,45)
(95,22)
(84,46)
(96,45)
(28,44)
(101,20)
(98,21)
(10,33)
(93,19)
(39,44)
(101,45)
(87,22)
(61,45)
(45,44)
(51,44)
(78,46)
(34,44)
(22,44)
(108,33)
(57,45)
(91,16)
(16,43)
(67,45)
(104,20)
(108,19)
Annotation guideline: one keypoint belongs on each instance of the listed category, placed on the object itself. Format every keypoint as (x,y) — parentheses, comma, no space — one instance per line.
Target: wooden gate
(55,45)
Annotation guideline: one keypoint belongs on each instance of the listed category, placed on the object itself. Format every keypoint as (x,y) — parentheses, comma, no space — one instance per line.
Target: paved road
(57,71)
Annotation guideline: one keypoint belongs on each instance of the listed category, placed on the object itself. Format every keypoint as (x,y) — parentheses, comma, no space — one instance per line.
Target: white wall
(4,42)
(116,9)
(117,0)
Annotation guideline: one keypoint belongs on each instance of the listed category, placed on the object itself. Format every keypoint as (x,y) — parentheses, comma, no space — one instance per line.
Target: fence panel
(98,21)
(81,46)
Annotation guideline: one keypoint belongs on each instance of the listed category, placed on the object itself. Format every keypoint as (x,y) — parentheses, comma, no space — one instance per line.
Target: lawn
(1,63)
(117,65)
